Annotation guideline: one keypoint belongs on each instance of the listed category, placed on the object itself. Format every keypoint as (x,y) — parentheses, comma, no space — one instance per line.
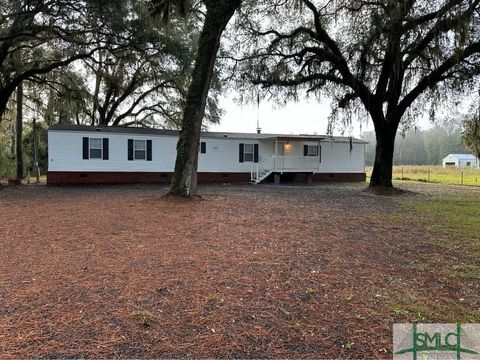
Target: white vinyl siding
(65,154)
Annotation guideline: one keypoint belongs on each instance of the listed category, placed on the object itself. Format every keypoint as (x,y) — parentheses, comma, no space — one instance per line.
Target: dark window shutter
(203,147)
(130,149)
(255,153)
(305,150)
(240,153)
(149,150)
(320,152)
(105,149)
(86,145)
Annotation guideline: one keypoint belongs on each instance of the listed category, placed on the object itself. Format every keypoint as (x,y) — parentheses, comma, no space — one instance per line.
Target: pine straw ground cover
(245,271)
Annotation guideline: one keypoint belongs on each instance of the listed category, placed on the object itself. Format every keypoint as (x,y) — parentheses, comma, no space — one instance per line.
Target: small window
(140,149)
(203,147)
(312,150)
(248,153)
(96,147)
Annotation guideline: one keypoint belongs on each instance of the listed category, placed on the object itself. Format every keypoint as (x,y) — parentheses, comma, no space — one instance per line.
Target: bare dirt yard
(245,271)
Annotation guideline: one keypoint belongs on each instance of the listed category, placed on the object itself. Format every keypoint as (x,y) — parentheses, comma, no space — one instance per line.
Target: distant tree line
(422,147)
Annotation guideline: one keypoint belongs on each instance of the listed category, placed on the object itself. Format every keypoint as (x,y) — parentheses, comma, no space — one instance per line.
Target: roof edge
(214,134)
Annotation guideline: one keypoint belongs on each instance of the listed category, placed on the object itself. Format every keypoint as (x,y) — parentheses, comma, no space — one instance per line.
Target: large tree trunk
(5,94)
(19,132)
(219,13)
(383,166)
(3,104)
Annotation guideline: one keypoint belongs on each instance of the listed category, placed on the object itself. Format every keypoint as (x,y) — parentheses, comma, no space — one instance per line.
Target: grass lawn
(435,174)
(453,222)
(245,271)
(459,219)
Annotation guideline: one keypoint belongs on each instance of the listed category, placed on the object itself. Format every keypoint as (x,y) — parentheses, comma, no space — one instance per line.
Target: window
(96,146)
(312,150)
(203,147)
(248,153)
(140,149)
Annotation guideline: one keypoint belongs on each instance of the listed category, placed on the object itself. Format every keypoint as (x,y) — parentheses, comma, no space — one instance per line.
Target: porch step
(262,176)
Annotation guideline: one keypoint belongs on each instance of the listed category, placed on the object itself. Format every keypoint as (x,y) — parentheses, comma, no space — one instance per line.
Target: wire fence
(436,174)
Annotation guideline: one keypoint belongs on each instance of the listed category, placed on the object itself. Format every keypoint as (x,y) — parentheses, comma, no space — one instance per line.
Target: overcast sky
(310,116)
(304,117)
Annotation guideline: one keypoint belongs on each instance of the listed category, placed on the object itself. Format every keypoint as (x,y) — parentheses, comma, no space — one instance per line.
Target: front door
(288,151)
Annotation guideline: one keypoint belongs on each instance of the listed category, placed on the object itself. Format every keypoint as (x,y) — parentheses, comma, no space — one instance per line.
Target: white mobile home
(89,154)
(461,160)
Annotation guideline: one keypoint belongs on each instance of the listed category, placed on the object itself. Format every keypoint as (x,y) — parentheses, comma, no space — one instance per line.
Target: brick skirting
(72,178)
(302,177)
(339,177)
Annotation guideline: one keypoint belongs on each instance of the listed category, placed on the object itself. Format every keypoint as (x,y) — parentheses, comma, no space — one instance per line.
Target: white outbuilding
(461,161)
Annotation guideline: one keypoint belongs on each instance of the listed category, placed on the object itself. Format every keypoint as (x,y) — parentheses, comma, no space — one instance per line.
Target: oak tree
(383,56)
(217,16)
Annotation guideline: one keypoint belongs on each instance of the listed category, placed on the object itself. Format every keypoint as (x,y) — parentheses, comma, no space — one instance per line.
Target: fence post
(462,177)
(428,179)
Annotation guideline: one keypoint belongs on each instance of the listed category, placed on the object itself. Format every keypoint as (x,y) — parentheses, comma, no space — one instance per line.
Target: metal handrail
(255,172)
